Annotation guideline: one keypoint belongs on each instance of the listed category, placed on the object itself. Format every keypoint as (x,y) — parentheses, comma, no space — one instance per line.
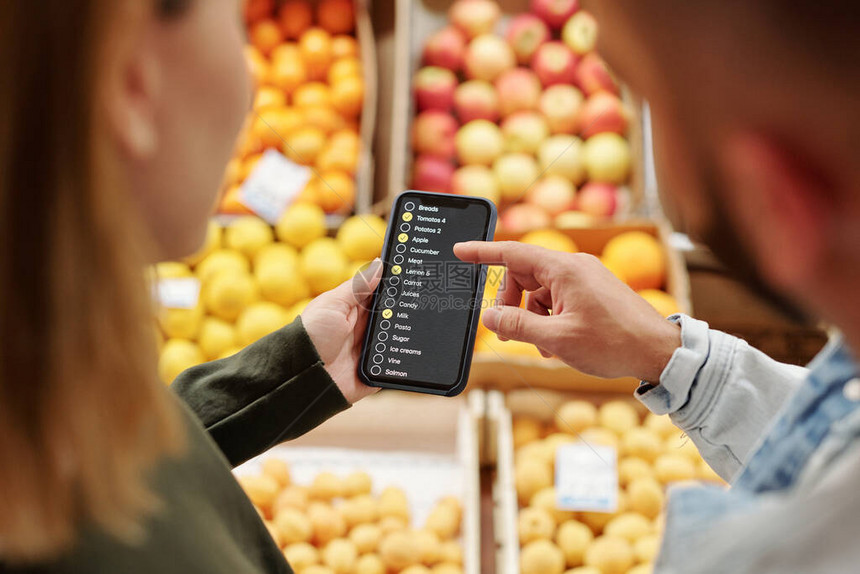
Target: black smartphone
(425,311)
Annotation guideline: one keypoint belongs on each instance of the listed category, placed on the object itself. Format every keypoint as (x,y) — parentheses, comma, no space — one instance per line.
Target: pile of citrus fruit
(336,525)
(635,257)
(310,89)
(652,453)
(254,279)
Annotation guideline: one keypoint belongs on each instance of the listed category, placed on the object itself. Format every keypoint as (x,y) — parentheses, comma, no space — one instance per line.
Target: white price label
(586,477)
(273,185)
(178,293)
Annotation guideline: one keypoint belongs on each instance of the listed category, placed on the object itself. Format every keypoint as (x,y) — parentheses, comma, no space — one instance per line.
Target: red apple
(487,57)
(554,63)
(445,49)
(573,220)
(515,173)
(523,217)
(433,134)
(474,17)
(593,76)
(553,193)
(603,112)
(432,174)
(554,12)
(519,89)
(580,33)
(434,88)
(525,35)
(607,158)
(560,105)
(598,199)
(476,180)
(476,100)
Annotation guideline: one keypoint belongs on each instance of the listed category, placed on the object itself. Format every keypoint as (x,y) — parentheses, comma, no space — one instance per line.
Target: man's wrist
(660,352)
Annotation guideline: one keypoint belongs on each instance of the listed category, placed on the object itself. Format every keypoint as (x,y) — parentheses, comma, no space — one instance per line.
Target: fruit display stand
(512,365)
(425,447)
(528,426)
(314,69)
(423,21)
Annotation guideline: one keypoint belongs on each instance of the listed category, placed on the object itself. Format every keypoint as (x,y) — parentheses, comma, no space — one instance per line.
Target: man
(757,128)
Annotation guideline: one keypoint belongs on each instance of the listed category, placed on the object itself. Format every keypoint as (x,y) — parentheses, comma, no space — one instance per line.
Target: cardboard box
(426,445)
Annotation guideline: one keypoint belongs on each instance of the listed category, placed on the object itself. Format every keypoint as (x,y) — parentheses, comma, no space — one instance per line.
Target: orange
(295,17)
(336,16)
(273,125)
(286,51)
(345,138)
(344,47)
(268,97)
(233,173)
(310,194)
(344,68)
(230,203)
(664,303)
(322,117)
(248,166)
(249,144)
(336,192)
(288,74)
(266,35)
(257,65)
(348,96)
(315,47)
(312,94)
(256,10)
(353,125)
(637,258)
(342,158)
(304,145)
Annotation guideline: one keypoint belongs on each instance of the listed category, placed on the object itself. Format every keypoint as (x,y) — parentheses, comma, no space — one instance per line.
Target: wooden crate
(402,440)
(415,21)
(493,370)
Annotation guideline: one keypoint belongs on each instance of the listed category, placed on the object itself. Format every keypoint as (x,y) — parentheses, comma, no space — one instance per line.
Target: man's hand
(336,321)
(576,309)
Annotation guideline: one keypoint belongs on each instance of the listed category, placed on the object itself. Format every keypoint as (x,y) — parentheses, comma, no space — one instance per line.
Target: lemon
(301,224)
(210,244)
(550,239)
(222,260)
(172,270)
(181,323)
(229,352)
(227,294)
(660,300)
(276,254)
(361,236)
(248,235)
(216,336)
(323,265)
(177,356)
(258,320)
(281,284)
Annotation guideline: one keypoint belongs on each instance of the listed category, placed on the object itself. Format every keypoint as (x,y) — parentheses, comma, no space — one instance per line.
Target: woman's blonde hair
(83,416)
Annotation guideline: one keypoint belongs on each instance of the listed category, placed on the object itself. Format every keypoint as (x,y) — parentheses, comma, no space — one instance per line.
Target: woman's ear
(132,93)
(782,207)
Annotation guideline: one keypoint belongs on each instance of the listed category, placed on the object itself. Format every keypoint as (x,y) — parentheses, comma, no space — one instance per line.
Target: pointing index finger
(517,257)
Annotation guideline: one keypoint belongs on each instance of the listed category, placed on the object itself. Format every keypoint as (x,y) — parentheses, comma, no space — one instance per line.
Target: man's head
(756,129)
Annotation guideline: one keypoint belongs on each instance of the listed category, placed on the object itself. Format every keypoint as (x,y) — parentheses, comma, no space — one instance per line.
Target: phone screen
(423,318)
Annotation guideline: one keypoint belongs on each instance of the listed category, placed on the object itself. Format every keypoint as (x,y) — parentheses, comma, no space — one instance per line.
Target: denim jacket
(787,439)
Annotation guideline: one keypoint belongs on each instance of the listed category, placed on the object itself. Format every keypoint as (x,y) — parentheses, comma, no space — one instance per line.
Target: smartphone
(425,311)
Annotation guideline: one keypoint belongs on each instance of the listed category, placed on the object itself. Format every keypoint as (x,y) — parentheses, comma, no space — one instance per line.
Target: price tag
(178,293)
(586,477)
(273,185)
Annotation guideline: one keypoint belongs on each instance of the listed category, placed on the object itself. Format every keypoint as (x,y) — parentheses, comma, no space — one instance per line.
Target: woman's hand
(335,321)
(576,309)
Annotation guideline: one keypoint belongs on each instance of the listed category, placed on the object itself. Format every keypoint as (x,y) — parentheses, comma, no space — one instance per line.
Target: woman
(117,118)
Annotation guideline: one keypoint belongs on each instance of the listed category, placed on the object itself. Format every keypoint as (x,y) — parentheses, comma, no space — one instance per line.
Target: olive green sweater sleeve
(274,390)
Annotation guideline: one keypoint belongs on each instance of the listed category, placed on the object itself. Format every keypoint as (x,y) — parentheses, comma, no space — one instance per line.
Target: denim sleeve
(721,392)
